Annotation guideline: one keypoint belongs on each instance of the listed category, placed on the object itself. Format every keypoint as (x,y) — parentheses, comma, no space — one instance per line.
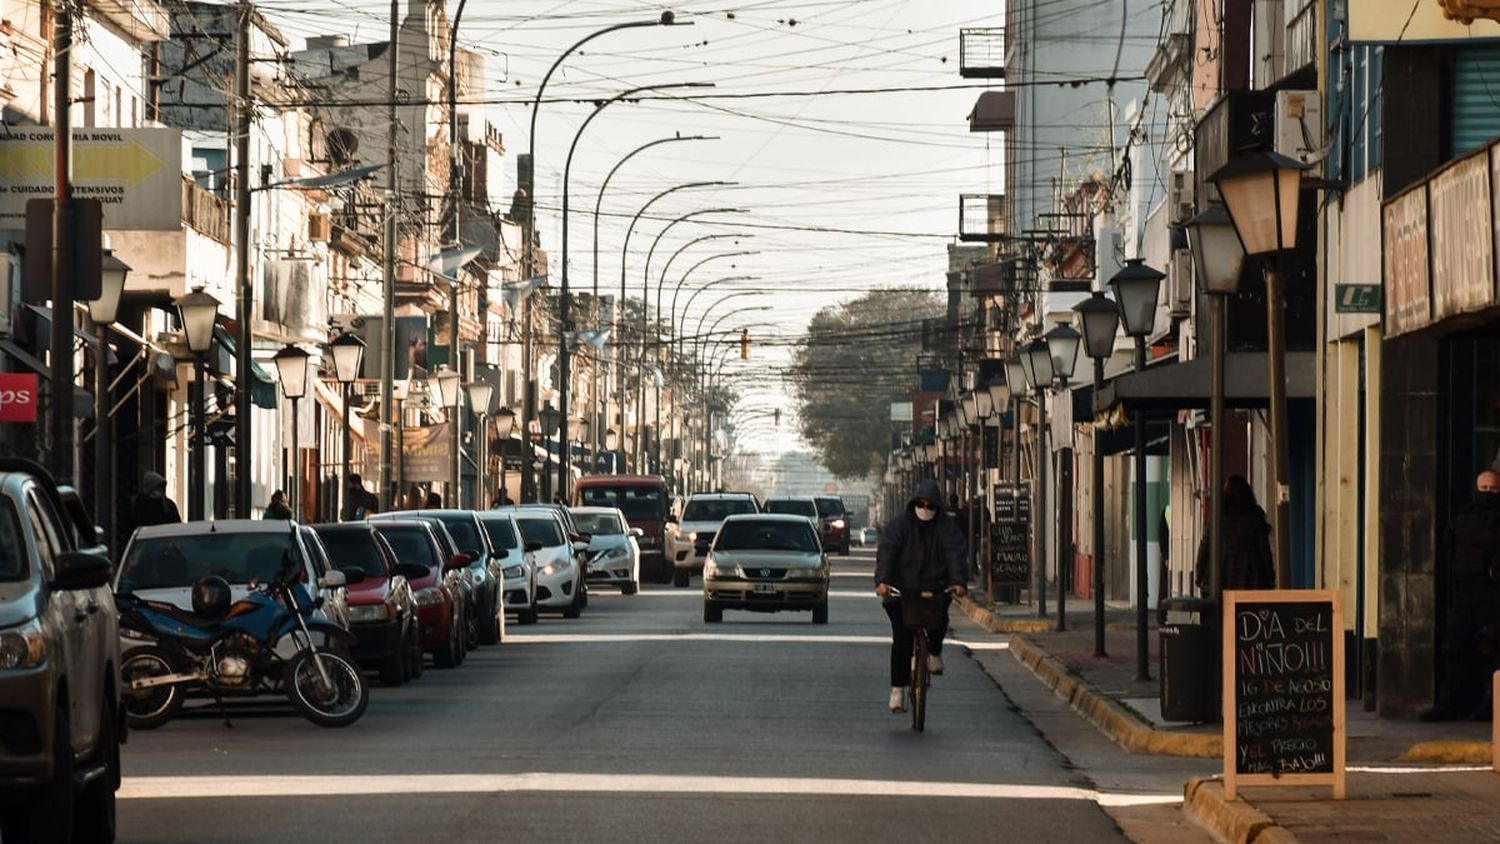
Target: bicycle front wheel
(919,681)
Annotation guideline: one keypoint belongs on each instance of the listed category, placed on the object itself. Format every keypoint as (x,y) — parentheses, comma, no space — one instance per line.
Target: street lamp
(199,312)
(1136,287)
(291,371)
(1218,257)
(1101,321)
(1062,351)
(1036,363)
(445,386)
(1261,193)
(400,391)
(505,423)
(102,312)
(348,351)
(480,393)
(549,419)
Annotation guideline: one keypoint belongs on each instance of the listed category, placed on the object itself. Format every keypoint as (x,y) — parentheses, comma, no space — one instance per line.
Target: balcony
(983,218)
(205,211)
(1302,38)
(981,53)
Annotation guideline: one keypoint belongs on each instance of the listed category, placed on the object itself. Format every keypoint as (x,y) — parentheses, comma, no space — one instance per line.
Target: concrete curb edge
(1232,820)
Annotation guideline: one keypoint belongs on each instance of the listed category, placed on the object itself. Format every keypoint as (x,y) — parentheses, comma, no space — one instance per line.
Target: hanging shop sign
(1408,276)
(1463,253)
(18,396)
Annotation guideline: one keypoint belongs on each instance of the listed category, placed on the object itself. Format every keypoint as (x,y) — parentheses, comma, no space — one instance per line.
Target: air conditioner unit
(1180,197)
(319,227)
(1299,125)
(1180,283)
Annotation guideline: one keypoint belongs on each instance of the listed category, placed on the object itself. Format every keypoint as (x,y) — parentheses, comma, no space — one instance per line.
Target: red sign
(18,394)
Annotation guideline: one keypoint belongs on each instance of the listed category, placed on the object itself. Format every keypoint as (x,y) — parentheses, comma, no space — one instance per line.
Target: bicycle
(918,614)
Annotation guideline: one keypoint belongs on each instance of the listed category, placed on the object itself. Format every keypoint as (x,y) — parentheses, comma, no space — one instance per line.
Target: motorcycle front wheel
(149,708)
(337,703)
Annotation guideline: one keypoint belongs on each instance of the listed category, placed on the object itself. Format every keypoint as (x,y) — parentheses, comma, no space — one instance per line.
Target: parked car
(614,555)
(519,565)
(486,572)
(765,563)
(335,597)
(59,669)
(645,502)
(560,584)
(688,542)
(834,523)
(382,612)
(437,592)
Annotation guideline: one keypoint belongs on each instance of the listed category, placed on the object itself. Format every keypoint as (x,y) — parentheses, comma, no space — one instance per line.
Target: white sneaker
(934,664)
(898,699)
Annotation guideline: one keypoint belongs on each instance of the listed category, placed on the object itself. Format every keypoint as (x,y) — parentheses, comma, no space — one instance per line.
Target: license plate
(765,589)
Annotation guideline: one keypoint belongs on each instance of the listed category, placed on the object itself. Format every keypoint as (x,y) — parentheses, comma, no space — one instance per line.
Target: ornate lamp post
(1101,321)
(1136,287)
(291,371)
(348,351)
(505,423)
(1062,346)
(1036,362)
(1261,193)
(102,312)
(549,418)
(400,391)
(199,311)
(444,385)
(480,393)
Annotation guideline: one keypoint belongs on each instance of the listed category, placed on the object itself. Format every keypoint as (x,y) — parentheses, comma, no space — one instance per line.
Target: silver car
(518,564)
(765,562)
(614,553)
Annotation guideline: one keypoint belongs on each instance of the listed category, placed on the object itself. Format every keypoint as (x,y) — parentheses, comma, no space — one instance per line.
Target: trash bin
(1190,657)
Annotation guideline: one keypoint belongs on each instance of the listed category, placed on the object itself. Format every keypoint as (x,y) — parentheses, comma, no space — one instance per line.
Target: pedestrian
(361,502)
(278,508)
(503,499)
(1245,560)
(151,506)
(414,498)
(1468,645)
(921,550)
(434,501)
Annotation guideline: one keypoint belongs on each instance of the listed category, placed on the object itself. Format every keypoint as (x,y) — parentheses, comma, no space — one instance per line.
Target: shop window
(1475,114)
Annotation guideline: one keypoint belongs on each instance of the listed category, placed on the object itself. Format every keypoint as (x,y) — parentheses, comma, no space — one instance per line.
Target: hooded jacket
(922,556)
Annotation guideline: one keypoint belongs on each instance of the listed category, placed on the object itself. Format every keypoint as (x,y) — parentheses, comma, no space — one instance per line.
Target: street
(637,722)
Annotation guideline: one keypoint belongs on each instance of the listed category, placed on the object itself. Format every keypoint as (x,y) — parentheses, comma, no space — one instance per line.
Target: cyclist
(921,550)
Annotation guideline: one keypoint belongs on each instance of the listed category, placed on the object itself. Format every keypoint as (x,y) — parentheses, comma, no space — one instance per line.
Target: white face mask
(926,515)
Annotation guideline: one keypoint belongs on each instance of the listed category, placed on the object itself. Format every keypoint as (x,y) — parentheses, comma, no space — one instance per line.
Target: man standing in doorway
(1469,643)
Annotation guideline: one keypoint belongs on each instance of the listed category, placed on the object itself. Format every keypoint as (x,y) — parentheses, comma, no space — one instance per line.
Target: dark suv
(833,523)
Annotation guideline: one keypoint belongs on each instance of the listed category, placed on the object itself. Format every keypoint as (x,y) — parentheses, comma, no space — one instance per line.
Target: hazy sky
(846,191)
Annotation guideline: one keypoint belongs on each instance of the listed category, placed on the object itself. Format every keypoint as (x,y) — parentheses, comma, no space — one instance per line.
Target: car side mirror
(637,532)
(79,570)
(411,571)
(334,579)
(580,546)
(458,561)
(533,547)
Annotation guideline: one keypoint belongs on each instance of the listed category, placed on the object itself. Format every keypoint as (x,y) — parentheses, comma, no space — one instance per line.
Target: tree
(857,358)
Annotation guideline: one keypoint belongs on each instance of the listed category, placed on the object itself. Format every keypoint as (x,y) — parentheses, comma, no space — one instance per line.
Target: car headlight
(554,567)
(515,571)
(369,612)
(619,552)
(429,596)
(690,536)
(713,569)
(24,646)
(838,524)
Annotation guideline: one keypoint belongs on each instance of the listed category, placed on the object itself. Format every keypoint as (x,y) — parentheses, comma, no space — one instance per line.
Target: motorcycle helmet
(211,596)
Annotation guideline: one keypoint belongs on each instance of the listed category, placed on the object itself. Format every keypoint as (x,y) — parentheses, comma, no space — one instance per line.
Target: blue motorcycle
(235,649)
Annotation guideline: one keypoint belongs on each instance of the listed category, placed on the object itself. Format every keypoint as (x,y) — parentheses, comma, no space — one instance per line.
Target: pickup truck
(62,724)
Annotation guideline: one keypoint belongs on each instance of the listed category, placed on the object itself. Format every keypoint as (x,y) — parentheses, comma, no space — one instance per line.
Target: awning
(1185,385)
(262,385)
(45,314)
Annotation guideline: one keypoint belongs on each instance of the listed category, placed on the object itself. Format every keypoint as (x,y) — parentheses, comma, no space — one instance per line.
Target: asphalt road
(638,722)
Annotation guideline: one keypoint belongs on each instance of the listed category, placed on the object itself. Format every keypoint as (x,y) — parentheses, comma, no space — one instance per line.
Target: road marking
(623,638)
(179,788)
(697,594)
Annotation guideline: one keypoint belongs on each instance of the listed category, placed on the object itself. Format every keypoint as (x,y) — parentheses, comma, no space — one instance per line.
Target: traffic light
(744,344)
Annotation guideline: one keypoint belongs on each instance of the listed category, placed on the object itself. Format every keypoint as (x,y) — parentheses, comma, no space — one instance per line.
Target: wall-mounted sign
(1356,298)
(1408,273)
(18,392)
(1463,263)
(135,173)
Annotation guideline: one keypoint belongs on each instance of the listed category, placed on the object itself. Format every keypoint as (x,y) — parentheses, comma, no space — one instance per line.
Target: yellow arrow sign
(125,161)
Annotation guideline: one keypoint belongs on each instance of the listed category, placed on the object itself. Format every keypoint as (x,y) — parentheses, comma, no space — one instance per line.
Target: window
(545,531)
(410,544)
(1476,99)
(502,533)
(794,506)
(13,562)
(830,506)
(766,535)
(636,502)
(353,549)
(465,533)
(715,509)
(601,523)
(172,562)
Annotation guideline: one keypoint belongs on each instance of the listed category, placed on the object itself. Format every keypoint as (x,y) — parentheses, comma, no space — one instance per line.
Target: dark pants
(1468,648)
(901,641)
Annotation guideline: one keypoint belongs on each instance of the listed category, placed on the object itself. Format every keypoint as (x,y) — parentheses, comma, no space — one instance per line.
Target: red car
(382,613)
(438,595)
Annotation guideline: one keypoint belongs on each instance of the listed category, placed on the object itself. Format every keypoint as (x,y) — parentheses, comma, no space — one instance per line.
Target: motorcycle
(231,649)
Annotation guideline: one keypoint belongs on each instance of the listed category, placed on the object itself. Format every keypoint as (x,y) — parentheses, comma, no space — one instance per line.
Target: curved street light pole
(528,404)
(708,413)
(690,270)
(662,281)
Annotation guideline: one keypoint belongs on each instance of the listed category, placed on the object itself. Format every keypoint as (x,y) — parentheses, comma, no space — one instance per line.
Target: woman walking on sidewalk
(921,549)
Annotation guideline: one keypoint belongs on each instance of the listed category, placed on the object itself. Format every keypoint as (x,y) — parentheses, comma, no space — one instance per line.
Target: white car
(688,543)
(560,585)
(518,564)
(614,553)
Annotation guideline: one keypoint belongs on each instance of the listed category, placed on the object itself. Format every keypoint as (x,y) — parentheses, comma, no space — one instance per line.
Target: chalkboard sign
(1283,689)
(1010,554)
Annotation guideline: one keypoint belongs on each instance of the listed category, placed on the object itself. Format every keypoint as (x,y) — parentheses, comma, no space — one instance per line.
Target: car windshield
(758,535)
(410,544)
(12,546)
(829,506)
(465,534)
(502,533)
(353,549)
(793,506)
(544,531)
(715,509)
(636,502)
(175,562)
(598,523)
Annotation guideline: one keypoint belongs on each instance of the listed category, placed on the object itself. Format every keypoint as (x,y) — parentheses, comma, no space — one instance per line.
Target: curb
(1232,820)
(1000,624)
(1449,753)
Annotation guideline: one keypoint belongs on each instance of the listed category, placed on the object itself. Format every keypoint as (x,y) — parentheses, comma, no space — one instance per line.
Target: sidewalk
(1395,793)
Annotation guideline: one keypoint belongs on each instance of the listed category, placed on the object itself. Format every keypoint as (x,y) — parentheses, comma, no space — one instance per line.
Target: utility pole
(63,247)
(388,409)
(245,288)
(455,339)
